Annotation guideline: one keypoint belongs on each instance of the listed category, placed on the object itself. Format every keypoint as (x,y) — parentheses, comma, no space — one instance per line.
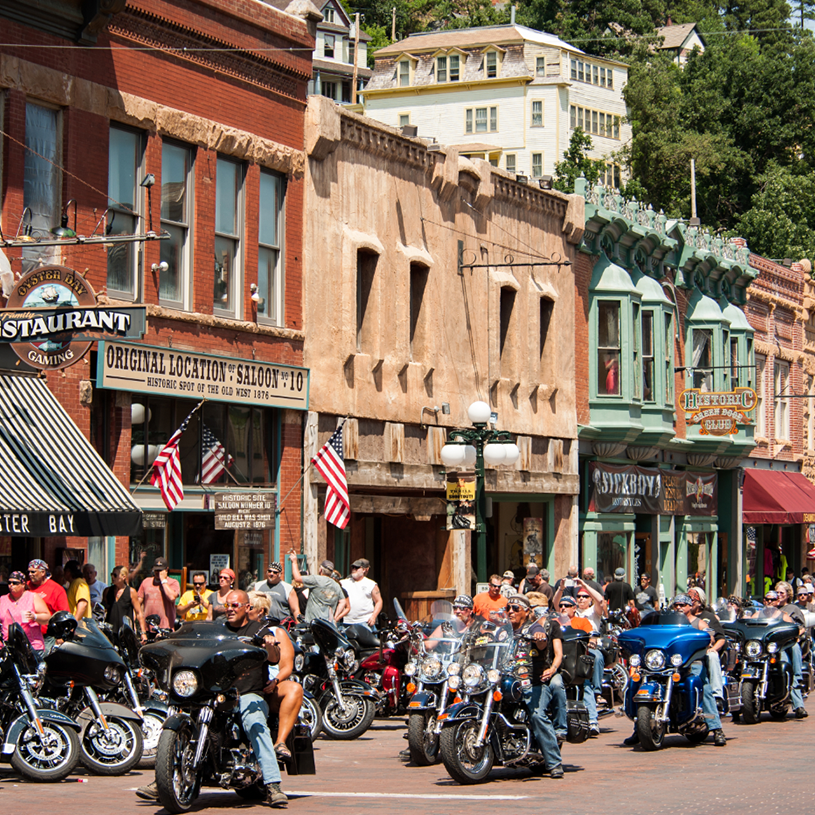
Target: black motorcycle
(203,742)
(760,636)
(348,705)
(83,663)
(40,743)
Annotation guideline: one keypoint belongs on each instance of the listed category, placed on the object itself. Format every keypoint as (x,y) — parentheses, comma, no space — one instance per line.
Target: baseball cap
(361,563)
(620,572)
(327,564)
(532,569)
(509,574)
(463,601)
(160,563)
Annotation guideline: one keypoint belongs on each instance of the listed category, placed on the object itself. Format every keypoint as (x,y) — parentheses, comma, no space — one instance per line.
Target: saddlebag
(577,719)
(578,664)
(302,752)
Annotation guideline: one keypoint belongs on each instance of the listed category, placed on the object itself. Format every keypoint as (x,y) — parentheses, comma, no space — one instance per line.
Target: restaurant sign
(245,510)
(172,372)
(718,413)
(651,491)
(52,318)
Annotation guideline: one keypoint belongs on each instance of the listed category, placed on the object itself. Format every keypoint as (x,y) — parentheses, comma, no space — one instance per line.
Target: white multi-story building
(335,55)
(507,94)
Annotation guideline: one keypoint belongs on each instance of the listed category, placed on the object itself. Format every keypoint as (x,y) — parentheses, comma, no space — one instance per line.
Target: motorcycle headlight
(454,682)
(472,675)
(299,662)
(185,683)
(113,673)
(772,647)
(431,667)
(676,660)
(654,660)
(493,676)
(454,669)
(410,669)
(634,661)
(752,649)
(350,659)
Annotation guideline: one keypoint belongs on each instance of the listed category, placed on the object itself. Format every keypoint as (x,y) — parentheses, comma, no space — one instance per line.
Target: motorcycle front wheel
(151,731)
(177,781)
(114,751)
(779,712)
(423,741)
(350,722)
(50,756)
(750,703)
(465,762)
(650,731)
(311,716)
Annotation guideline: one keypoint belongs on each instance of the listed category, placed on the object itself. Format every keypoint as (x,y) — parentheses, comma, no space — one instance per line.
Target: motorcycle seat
(362,635)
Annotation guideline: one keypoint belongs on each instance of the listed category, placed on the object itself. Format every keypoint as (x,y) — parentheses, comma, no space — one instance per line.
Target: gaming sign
(52,318)
(718,413)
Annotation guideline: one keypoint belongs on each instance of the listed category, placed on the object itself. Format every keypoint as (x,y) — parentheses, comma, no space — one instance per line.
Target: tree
(576,163)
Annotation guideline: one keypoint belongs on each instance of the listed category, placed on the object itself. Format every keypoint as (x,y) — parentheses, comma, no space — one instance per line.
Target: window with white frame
(537,165)
(328,14)
(637,350)
(537,113)
(491,65)
(404,73)
(540,66)
(510,162)
(781,399)
(668,360)
(328,46)
(176,218)
(608,348)
(481,120)
(761,403)
(404,119)
(270,255)
(648,356)
(702,364)
(228,221)
(124,162)
(455,67)
(441,69)
(41,180)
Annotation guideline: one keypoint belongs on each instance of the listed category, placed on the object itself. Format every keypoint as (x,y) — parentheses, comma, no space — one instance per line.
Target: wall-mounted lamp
(494,418)
(63,230)
(445,409)
(254,289)
(546,182)
(160,268)
(521,178)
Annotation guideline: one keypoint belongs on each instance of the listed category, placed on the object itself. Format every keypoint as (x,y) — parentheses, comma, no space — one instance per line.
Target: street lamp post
(480,446)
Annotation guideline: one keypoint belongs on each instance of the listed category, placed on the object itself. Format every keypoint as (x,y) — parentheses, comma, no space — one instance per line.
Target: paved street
(764,768)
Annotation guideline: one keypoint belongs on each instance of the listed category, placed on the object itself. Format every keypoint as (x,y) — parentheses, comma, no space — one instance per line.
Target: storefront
(231,455)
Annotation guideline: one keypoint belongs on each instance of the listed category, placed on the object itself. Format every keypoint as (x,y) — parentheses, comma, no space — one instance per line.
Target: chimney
(512,16)
(669,21)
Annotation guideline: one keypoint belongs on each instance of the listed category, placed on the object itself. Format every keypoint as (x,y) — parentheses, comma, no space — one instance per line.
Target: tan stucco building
(421,297)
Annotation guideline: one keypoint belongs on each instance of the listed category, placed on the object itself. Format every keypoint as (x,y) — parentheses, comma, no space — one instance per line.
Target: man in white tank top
(363,595)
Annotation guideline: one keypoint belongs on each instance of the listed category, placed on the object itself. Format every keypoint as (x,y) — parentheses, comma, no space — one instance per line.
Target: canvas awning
(776,497)
(52,480)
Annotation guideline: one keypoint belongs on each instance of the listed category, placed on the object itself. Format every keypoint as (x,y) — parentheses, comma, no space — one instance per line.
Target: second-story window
(540,66)
(537,113)
(648,356)
(702,364)
(176,218)
(441,69)
(328,14)
(228,183)
(404,73)
(328,46)
(637,350)
(270,258)
(124,159)
(668,362)
(510,160)
(455,63)
(761,403)
(537,165)
(491,65)
(781,399)
(608,348)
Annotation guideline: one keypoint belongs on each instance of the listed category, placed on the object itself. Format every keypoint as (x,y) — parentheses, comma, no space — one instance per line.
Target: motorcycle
(759,637)
(347,705)
(203,742)
(428,673)
(85,662)
(663,694)
(491,724)
(40,743)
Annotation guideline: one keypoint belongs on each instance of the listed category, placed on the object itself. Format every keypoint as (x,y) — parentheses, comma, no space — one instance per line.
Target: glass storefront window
(698,554)
(611,549)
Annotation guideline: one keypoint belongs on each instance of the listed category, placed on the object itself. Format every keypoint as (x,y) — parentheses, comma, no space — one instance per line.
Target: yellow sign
(461,490)
(718,413)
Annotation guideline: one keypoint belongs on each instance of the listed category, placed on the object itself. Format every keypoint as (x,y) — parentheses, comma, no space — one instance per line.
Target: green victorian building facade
(659,314)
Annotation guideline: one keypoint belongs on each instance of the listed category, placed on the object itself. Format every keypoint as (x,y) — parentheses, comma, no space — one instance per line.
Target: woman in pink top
(24,607)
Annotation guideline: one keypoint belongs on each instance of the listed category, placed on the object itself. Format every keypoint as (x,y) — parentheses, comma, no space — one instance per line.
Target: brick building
(184,118)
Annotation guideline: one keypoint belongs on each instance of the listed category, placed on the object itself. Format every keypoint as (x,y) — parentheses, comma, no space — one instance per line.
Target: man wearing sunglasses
(491,599)
(194,603)
(283,597)
(786,605)
(538,654)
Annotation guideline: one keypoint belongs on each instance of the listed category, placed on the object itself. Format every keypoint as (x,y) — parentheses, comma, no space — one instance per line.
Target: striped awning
(52,481)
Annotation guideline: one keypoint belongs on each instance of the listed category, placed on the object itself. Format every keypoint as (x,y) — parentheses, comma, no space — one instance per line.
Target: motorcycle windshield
(762,614)
(327,636)
(489,644)
(400,612)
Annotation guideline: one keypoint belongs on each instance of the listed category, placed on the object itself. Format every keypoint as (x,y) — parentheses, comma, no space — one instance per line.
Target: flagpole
(150,468)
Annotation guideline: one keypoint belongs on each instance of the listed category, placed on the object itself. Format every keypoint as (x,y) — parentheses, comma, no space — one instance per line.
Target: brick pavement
(762,769)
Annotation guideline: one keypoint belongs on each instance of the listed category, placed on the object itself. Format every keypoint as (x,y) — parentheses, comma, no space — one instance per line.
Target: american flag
(331,466)
(214,458)
(167,468)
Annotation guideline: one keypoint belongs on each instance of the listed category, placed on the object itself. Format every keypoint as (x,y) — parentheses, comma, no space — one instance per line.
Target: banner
(651,491)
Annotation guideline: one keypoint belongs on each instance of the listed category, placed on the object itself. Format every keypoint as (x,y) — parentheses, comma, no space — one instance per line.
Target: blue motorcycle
(664,694)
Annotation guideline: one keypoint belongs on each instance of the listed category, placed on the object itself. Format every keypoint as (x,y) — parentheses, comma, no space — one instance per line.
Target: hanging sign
(52,318)
(718,413)
(461,501)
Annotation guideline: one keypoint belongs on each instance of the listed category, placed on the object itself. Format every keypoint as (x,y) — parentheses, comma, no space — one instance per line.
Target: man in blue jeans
(253,707)
(537,659)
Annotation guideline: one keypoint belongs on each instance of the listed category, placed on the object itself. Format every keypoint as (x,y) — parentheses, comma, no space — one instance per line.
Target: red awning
(776,497)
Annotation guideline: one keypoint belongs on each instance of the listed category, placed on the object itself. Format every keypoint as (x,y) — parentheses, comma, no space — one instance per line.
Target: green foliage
(575,163)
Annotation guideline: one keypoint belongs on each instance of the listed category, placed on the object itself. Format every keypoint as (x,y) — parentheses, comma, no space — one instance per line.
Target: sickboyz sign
(651,491)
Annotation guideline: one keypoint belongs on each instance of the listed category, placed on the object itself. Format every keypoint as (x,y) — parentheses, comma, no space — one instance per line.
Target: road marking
(431,796)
